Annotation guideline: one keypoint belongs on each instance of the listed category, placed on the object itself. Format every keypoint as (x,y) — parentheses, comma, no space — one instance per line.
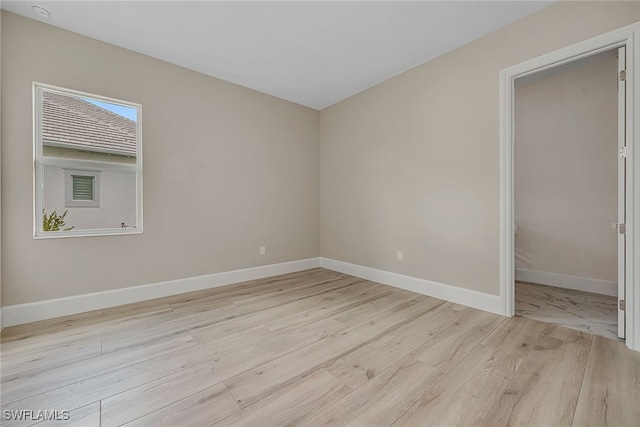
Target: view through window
(88,171)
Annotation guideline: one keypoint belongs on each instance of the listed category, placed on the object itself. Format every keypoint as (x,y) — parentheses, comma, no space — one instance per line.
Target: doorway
(628,37)
(565,195)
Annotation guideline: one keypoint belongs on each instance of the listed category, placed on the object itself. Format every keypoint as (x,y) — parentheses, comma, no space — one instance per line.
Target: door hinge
(622,228)
(622,152)
(623,75)
(622,305)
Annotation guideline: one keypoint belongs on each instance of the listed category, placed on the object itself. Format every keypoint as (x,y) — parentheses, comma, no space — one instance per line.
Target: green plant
(54,222)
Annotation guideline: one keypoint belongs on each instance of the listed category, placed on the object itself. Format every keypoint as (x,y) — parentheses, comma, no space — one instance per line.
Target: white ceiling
(311,53)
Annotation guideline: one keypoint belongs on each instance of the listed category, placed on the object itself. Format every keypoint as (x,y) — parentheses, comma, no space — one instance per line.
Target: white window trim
(40,161)
(69,201)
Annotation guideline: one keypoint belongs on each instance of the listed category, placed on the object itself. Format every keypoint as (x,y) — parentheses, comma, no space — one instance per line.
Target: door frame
(628,36)
(621,164)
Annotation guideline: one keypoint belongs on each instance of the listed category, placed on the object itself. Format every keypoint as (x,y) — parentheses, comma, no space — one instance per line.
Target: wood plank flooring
(313,348)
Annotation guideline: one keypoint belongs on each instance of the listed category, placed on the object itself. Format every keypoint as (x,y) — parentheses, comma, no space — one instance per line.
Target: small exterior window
(82,188)
(88,164)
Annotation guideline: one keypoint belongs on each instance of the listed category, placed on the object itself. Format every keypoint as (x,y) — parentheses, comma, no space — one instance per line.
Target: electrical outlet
(263,250)
(399,256)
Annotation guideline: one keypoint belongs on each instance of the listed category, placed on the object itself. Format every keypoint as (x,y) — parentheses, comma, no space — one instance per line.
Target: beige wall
(226,170)
(566,169)
(412,164)
(1,305)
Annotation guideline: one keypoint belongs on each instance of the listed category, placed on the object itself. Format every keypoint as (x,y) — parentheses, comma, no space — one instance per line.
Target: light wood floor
(582,311)
(315,348)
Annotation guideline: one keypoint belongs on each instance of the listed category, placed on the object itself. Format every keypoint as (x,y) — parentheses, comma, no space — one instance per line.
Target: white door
(622,167)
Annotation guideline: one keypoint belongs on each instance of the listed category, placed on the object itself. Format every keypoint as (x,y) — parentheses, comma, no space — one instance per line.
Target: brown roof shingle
(69,120)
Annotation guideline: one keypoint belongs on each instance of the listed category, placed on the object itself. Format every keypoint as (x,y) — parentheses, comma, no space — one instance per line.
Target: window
(82,188)
(88,165)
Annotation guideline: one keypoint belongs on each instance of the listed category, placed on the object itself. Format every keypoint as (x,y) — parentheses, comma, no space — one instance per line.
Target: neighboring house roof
(71,122)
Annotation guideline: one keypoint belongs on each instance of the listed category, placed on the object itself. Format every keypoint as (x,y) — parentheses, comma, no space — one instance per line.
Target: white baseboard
(597,286)
(467,297)
(41,310)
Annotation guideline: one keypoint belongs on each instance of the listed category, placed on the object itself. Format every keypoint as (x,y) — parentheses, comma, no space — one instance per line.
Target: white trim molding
(42,310)
(455,294)
(628,36)
(566,281)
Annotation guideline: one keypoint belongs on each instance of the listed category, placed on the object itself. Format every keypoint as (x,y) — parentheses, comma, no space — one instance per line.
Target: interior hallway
(582,311)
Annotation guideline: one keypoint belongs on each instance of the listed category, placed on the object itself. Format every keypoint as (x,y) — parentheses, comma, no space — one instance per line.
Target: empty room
(368,213)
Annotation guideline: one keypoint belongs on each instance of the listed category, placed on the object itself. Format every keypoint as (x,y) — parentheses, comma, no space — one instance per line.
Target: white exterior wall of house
(117,196)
